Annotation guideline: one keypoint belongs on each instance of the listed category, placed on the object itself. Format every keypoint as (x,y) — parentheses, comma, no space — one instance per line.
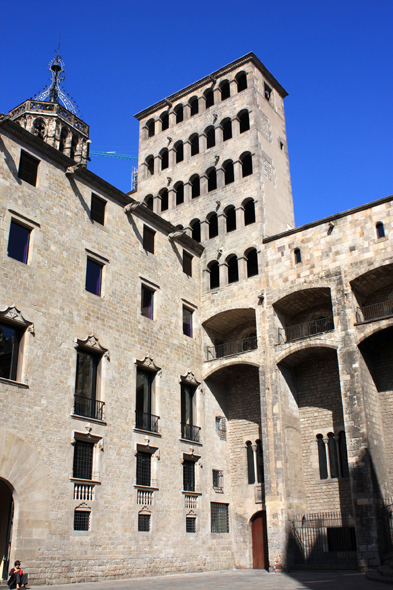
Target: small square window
(28,166)
(219,518)
(148,239)
(18,242)
(268,92)
(9,351)
(147,308)
(93,277)
(187,321)
(144,523)
(97,210)
(187,263)
(81,520)
(190,524)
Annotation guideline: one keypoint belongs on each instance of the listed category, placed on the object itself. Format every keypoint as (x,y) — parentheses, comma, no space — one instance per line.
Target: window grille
(187,263)
(83,460)
(81,520)
(18,242)
(143,469)
(218,479)
(189,476)
(28,167)
(148,239)
(144,523)
(190,524)
(219,518)
(93,277)
(97,210)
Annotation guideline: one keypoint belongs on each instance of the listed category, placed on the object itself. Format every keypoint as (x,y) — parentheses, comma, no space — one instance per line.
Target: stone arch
(302,345)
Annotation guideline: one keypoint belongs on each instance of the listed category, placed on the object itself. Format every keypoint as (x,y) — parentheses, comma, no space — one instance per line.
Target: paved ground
(235,580)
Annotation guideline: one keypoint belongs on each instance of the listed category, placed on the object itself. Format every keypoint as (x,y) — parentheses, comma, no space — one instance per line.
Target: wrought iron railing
(83,491)
(305,330)
(145,421)
(377,311)
(88,408)
(229,348)
(190,432)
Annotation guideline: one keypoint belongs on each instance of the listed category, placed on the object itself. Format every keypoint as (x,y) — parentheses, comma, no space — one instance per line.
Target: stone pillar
(201,104)
(239,217)
(186,112)
(223,268)
(187,192)
(171,157)
(157,204)
(202,143)
(220,178)
(235,128)
(187,150)
(219,135)
(203,185)
(204,230)
(172,119)
(222,220)
(237,170)
(242,267)
(157,164)
(217,97)
(206,279)
(233,87)
(171,198)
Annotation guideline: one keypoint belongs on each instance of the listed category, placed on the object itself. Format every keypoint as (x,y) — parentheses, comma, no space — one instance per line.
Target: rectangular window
(81,520)
(188,430)
(9,351)
(187,263)
(218,479)
(97,210)
(93,277)
(143,469)
(144,381)
(187,321)
(85,403)
(83,460)
(144,523)
(188,476)
(219,518)
(148,239)
(147,302)
(28,166)
(190,524)
(18,242)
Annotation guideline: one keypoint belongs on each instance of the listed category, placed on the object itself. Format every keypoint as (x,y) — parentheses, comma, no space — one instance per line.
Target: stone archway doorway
(6,520)
(259,541)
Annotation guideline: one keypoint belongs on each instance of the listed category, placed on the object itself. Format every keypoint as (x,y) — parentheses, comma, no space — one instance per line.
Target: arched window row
(232,273)
(248,211)
(332,455)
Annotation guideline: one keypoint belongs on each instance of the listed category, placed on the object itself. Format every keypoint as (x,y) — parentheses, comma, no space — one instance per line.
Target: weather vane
(54,93)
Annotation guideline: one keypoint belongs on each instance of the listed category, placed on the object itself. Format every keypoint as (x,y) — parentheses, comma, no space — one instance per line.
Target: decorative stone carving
(190,378)
(14,315)
(92,343)
(148,363)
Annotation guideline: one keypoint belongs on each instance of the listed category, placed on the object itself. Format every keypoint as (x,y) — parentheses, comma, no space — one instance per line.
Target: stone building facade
(188,381)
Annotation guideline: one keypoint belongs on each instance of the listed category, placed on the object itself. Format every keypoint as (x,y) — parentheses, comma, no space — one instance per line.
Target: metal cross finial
(54,92)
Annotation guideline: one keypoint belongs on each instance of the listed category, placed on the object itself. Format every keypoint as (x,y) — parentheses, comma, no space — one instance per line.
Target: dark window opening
(225,90)
(214,275)
(268,92)
(210,137)
(196,230)
(252,263)
(164,121)
(241,80)
(143,523)
(81,520)
(380,230)
(341,538)
(28,167)
(147,300)
(150,166)
(342,454)
(233,271)
(74,145)
(194,145)
(213,225)
(229,173)
(18,242)
(194,106)
(187,321)
(195,187)
(187,412)
(190,524)
(143,406)
(298,256)
(179,193)
(212,180)
(148,239)
(226,129)
(179,114)
(218,482)
(179,152)
(250,463)
(164,200)
(93,277)
(187,263)
(164,159)
(333,459)
(39,128)
(188,476)
(143,469)
(63,139)
(150,128)
(323,472)
(260,469)
(281,146)
(231,219)
(9,351)
(244,121)
(97,209)
(246,165)
(219,518)
(249,212)
(86,385)
(83,460)
(209,96)
(149,202)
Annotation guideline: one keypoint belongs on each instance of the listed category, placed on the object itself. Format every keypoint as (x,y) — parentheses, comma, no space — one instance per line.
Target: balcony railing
(190,432)
(229,348)
(191,501)
(377,311)
(145,421)
(144,497)
(88,408)
(305,330)
(83,491)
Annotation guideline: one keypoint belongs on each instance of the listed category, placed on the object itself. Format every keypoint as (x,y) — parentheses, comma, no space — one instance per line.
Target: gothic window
(164,199)
(233,271)
(323,472)
(179,190)
(164,159)
(333,459)
(260,470)
(225,90)
(194,141)
(196,230)
(179,113)
(380,230)
(250,463)
(179,152)
(252,262)
(297,255)
(267,92)
(86,380)
(74,145)
(194,106)
(10,337)
(229,174)
(63,139)
(187,402)
(246,161)
(213,225)
(164,121)
(39,128)
(342,454)
(195,186)
(149,202)
(83,460)
(211,179)
(150,165)
(188,476)
(214,275)
(226,126)
(249,212)
(143,469)
(210,133)
(150,128)
(244,121)
(241,80)
(231,218)
(209,97)
(144,420)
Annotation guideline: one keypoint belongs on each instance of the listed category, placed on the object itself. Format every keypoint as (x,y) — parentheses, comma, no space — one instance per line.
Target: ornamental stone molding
(14,315)
(190,379)
(93,344)
(148,363)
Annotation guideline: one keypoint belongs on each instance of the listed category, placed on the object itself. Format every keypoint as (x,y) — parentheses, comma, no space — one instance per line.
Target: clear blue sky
(334,58)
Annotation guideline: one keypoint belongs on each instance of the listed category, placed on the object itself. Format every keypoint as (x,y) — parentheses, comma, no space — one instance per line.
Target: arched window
(233,271)
(209,97)
(323,472)
(252,262)
(210,133)
(333,462)
(342,454)
(297,255)
(231,218)
(194,142)
(213,225)
(260,470)
(150,165)
(164,121)
(164,199)
(164,159)
(380,230)
(179,113)
(246,160)
(194,106)
(195,186)
(39,128)
(179,152)
(63,138)
(250,463)
(225,90)
(150,128)
(249,212)
(74,145)
(214,275)
(244,121)
(241,80)
(196,230)
(211,179)
(149,202)
(229,174)
(179,189)
(226,125)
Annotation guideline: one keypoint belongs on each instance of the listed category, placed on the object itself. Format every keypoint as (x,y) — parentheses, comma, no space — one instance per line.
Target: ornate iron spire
(54,93)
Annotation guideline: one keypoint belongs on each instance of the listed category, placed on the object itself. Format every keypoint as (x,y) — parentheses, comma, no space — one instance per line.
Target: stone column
(203,185)
(157,164)
(237,170)
(171,157)
(187,192)
(223,268)
(219,135)
(242,267)
(187,150)
(202,143)
(172,119)
(201,104)
(217,97)
(157,204)
(233,87)
(239,217)
(222,220)
(171,198)
(220,177)
(235,128)
(186,112)
(204,230)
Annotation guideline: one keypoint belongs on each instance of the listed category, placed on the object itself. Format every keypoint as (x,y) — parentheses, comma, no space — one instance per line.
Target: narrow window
(187,263)
(194,145)
(149,202)
(195,187)
(246,165)
(218,483)
(188,430)
(225,90)
(85,403)
(144,420)
(81,520)
(380,230)
(9,351)
(164,121)
(231,219)
(332,448)
(39,128)
(298,255)
(83,460)
(74,145)
(323,472)
(214,275)
(190,524)
(150,128)
(211,180)
(249,212)
(187,321)
(342,454)
(268,92)
(28,167)
(260,470)
(241,80)
(229,172)
(179,189)
(97,209)
(244,121)
(143,523)
(213,225)
(233,272)
(93,277)
(179,114)
(63,139)
(210,137)
(194,106)
(164,159)
(147,302)
(252,263)
(188,476)
(219,518)
(226,129)
(179,152)
(209,96)
(150,165)
(250,463)
(164,200)
(18,242)
(148,239)
(196,230)
(143,469)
